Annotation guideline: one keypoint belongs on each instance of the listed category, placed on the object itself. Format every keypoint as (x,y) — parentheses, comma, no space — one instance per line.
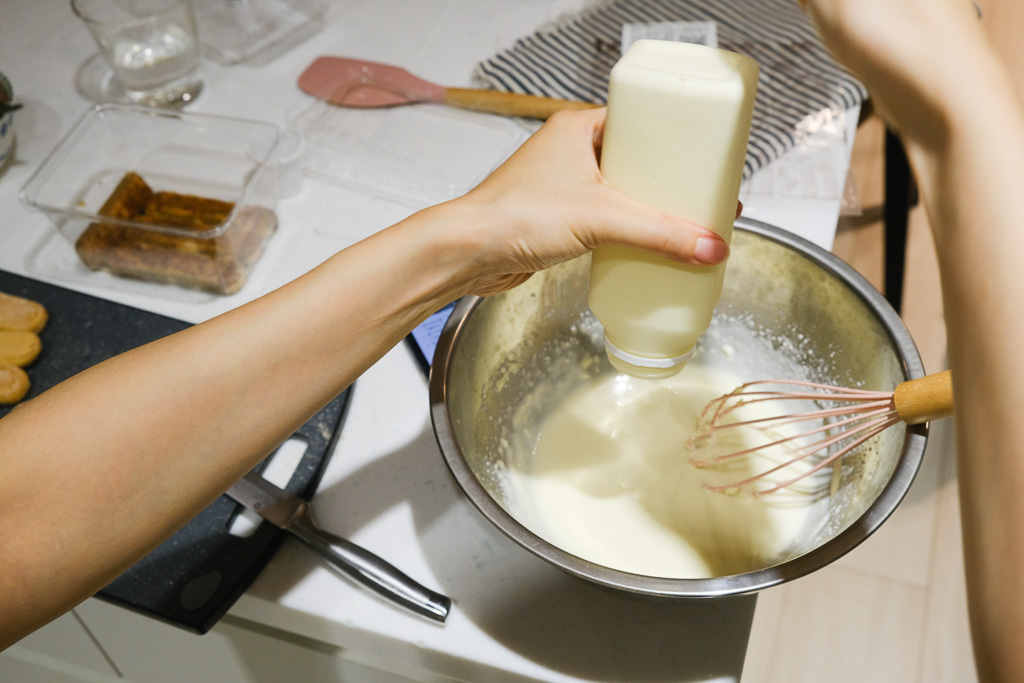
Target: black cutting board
(194,577)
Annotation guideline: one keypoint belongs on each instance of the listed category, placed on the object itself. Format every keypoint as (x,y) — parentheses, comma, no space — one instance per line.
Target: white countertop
(386,488)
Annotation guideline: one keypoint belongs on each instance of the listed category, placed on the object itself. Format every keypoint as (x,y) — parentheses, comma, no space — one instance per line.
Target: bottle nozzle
(643,366)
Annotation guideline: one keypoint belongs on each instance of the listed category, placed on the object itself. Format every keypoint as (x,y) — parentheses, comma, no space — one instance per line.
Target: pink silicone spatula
(358,83)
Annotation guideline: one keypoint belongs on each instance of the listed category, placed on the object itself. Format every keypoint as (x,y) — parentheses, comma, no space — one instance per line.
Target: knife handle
(371,571)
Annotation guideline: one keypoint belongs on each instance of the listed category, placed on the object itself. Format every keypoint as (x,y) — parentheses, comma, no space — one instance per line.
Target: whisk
(847,418)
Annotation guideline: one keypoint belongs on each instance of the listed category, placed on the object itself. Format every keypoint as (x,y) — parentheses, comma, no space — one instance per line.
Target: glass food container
(162,196)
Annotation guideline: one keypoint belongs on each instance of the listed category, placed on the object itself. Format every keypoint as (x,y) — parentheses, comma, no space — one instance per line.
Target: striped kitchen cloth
(799,81)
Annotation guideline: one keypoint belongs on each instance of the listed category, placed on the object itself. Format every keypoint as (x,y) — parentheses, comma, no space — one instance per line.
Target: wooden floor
(894,610)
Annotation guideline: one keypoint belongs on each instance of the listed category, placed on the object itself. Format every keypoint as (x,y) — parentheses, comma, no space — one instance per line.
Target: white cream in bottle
(679,119)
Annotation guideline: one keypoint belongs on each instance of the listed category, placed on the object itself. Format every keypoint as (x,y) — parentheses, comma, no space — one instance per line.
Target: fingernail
(710,250)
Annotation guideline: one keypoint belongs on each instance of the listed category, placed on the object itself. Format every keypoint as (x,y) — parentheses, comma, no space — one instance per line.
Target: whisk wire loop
(860,414)
(865,432)
(846,417)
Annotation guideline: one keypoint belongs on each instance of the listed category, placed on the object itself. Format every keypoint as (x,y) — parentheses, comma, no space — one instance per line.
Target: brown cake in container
(216,259)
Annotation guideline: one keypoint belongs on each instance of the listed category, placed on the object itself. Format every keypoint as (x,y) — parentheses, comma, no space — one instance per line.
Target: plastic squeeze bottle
(675,139)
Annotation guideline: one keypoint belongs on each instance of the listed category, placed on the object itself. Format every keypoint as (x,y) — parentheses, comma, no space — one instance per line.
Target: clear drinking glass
(151,45)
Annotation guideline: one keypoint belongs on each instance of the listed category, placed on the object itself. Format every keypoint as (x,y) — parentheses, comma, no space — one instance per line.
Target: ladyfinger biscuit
(186,211)
(14,384)
(19,347)
(128,199)
(17,313)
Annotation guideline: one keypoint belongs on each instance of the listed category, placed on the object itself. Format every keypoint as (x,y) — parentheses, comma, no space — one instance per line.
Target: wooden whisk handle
(925,399)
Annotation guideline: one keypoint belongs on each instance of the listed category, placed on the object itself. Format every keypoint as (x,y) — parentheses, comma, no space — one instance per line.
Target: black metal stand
(900,197)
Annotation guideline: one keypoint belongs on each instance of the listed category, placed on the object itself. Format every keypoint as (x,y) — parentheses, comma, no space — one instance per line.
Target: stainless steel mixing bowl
(788,308)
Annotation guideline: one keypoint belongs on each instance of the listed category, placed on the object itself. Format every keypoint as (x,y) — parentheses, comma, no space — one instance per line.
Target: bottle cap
(645,365)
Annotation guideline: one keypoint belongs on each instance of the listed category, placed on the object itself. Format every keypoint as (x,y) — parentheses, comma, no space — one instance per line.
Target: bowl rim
(880,510)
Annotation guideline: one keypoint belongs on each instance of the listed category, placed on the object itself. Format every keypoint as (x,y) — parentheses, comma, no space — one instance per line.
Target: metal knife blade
(270,502)
(288,511)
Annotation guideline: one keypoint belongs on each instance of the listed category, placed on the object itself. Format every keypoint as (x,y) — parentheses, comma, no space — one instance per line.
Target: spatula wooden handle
(925,399)
(510,104)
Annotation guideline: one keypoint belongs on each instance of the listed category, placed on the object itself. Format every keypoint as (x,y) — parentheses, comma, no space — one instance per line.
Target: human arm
(935,80)
(149,438)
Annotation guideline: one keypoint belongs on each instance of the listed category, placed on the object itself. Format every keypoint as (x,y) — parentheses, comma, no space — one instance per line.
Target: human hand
(549,203)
